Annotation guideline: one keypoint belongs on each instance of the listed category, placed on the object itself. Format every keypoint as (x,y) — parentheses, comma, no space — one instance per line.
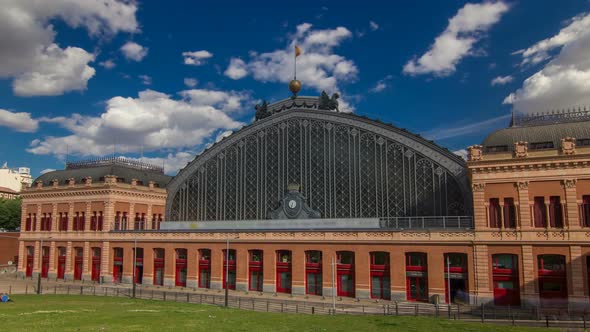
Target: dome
(345,165)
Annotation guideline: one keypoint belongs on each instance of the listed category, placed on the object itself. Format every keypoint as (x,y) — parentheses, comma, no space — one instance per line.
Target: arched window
(255,270)
(552,278)
(380,279)
(313,272)
(505,279)
(416,277)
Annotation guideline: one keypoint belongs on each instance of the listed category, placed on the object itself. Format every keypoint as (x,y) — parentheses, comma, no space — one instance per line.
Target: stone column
(298,271)
(148,266)
(529,283)
(192,267)
(269,266)
(397,259)
(108,216)
(36,259)
(436,275)
(571,205)
(86,262)
(328,257)
(241,269)
(483,290)
(54,220)
(105,263)
(71,218)
(69,273)
(38,226)
(22,258)
(523,201)
(127,263)
(170,267)
(131,217)
(501,215)
(23,222)
(148,218)
(362,278)
(479,206)
(52,274)
(576,263)
(87,216)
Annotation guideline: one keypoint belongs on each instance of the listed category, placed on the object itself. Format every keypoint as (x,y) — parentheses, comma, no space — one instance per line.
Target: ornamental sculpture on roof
(262,110)
(327,103)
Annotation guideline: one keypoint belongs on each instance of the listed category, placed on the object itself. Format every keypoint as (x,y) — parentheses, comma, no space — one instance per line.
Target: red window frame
(585,211)
(255,270)
(555,275)
(44,262)
(345,271)
(283,267)
(78,263)
(181,267)
(417,277)
(509,213)
(502,275)
(204,268)
(28,223)
(63,221)
(117,265)
(231,269)
(555,212)
(96,259)
(159,266)
(494,211)
(460,268)
(380,272)
(61,262)
(540,212)
(313,271)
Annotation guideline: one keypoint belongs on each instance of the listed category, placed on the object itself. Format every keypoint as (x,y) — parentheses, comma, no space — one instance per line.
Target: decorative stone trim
(478,186)
(475,153)
(521,149)
(569,183)
(522,185)
(568,146)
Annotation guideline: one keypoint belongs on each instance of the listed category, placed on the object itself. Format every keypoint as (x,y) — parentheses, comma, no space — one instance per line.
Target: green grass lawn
(87,313)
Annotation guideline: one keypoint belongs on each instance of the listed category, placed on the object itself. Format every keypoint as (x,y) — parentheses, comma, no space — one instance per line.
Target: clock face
(292,204)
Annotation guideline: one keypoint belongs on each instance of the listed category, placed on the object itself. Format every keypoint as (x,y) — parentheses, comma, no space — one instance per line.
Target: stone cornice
(523,165)
(84,192)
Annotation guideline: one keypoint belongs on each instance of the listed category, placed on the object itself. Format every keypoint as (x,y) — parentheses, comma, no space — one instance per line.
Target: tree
(10,210)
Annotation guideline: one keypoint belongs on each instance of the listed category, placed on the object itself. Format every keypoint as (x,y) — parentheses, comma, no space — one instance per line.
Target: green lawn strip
(87,313)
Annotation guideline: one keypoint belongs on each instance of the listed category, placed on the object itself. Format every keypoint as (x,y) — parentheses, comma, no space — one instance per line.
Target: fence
(533,316)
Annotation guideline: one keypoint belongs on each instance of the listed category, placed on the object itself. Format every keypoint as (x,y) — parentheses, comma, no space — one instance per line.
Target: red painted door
(117,273)
(29,270)
(417,289)
(95,268)
(181,272)
(78,268)
(45,267)
(61,267)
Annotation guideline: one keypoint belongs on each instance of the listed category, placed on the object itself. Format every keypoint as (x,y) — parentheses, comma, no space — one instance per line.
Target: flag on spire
(297,51)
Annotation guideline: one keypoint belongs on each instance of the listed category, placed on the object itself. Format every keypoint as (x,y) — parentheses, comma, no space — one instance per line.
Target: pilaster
(483,290)
(109,216)
(131,217)
(87,216)
(192,267)
(576,271)
(523,201)
(86,262)
(38,224)
(268,270)
(54,220)
(362,278)
(69,273)
(105,263)
(297,271)
(572,214)
(52,259)
(169,267)
(148,217)
(529,280)
(70,219)
(479,206)
(22,256)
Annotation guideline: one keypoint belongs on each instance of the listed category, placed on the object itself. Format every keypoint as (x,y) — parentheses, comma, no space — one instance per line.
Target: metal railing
(436,222)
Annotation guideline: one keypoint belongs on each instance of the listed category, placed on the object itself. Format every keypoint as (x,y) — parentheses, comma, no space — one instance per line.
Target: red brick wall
(8,247)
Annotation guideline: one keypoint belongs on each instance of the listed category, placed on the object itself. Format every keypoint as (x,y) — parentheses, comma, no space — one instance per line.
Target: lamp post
(134,260)
(227,270)
(333,286)
(449,277)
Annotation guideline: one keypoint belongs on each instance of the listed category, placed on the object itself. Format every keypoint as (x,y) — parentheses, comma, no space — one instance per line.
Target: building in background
(8,249)
(306,188)
(14,180)
(68,216)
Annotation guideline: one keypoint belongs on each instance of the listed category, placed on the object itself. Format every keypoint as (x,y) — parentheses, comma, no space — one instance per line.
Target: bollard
(266,305)
(416,310)
(449,311)
(396,309)
(27,289)
(546,321)
(313,312)
(282,307)
(68,289)
(297,308)
(152,294)
(81,290)
(483,314)
(187,297)
(164,296)
(584,319)
(93,290)
(55,289)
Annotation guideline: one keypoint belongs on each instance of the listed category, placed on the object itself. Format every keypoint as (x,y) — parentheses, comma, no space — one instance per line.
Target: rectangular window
(541,145)
(509,213)
(555,212)
(586,211)
(494,210)
(540,212)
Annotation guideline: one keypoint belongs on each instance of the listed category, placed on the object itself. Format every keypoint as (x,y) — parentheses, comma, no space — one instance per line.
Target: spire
(295,85)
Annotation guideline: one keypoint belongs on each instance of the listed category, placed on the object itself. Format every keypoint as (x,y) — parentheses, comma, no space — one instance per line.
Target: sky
(162,80)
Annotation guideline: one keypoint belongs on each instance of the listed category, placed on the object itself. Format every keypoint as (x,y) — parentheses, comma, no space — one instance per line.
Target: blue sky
(173,76)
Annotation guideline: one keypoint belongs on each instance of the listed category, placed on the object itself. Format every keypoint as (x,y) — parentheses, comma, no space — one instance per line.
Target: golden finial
(295,86)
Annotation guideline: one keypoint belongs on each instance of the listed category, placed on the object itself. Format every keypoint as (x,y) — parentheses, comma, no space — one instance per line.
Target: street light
(227,270)
(134,259)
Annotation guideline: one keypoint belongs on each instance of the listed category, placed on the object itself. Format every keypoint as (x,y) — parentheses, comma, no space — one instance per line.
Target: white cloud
(18,121)
(462,153)
(317,67)
(27,40)
(56,71)
(47,170)
(153,120)
(237,69)
(190,82)
(382,84)
(465,29)
(196,58)
(374,26)
(107,64)
(134,51)
(565,80)
(172,162)
(501,80)
(465,129)
(145,79)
